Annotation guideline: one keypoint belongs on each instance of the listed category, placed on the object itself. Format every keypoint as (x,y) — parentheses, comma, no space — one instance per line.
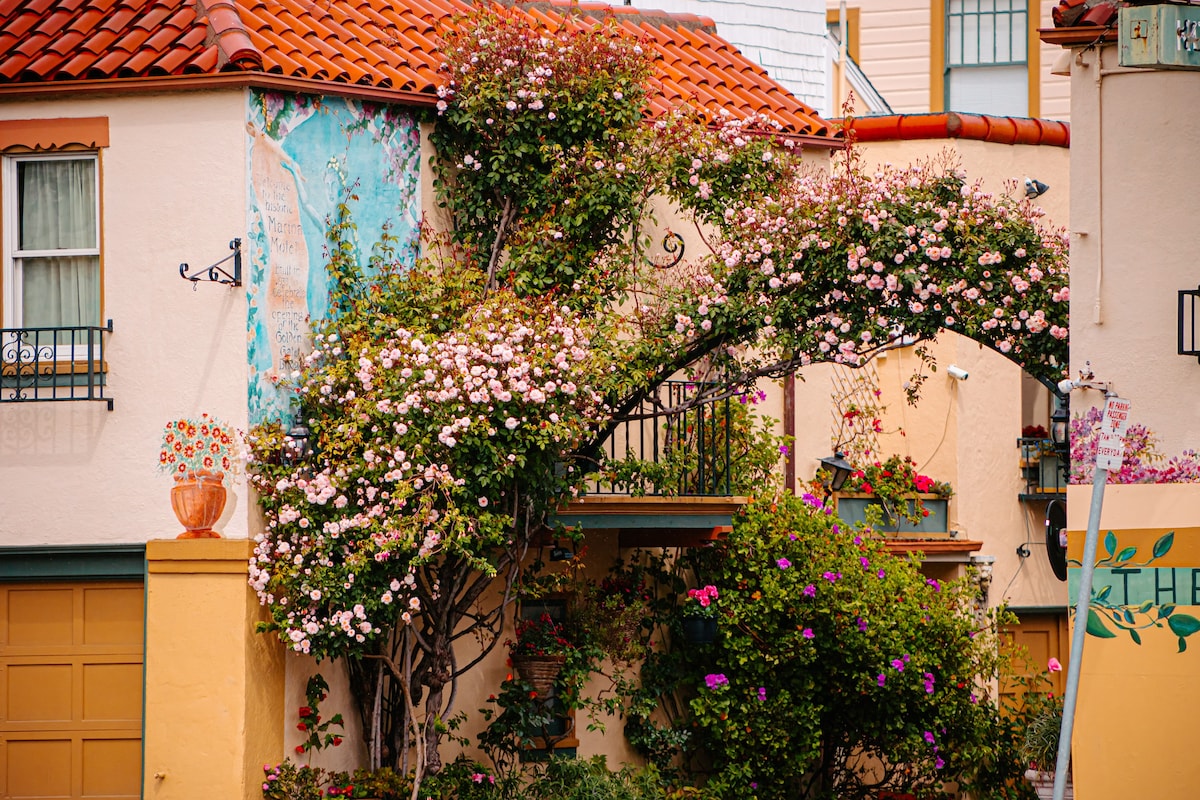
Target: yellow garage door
(71,690)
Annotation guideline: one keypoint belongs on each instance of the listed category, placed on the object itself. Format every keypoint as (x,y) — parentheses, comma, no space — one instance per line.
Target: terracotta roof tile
(389,45)
(99,41)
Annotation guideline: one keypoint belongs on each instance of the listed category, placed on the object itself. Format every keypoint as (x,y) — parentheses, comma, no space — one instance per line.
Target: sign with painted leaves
(1133,597)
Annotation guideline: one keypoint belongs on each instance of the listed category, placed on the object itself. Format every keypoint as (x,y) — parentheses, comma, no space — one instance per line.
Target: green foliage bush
(838,671)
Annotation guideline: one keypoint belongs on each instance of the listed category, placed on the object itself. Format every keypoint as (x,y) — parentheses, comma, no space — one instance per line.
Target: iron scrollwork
(215,273)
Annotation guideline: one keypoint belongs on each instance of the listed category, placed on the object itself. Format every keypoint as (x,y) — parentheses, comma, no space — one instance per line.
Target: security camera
(1035,188)
(1067,386)
(956,372)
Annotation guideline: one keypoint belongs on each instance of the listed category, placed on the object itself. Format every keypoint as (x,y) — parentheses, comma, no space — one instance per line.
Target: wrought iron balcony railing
(673,445)
(1042,466)
(41,365)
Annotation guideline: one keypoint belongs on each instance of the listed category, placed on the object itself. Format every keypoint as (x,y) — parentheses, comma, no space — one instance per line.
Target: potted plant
(199,453)
(539,649)
(911,502)
(1039,747)
(700,615)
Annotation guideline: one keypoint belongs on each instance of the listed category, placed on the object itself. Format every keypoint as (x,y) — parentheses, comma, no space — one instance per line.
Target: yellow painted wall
(214,687)
(1133,238)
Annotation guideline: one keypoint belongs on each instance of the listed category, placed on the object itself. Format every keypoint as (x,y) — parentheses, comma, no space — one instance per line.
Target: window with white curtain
(987,62)
(51,238)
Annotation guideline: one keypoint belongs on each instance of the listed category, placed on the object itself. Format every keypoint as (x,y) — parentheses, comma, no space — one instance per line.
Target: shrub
(838,670)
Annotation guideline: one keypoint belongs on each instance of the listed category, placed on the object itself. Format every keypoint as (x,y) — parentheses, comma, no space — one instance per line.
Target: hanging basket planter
(540,672)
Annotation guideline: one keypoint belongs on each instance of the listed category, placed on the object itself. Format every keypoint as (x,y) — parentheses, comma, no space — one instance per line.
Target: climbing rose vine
(454,407)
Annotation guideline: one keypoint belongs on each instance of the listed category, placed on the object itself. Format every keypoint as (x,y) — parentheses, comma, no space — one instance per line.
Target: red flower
(305,711)
(866,487)
(299,748)
(337,740)
(302,727)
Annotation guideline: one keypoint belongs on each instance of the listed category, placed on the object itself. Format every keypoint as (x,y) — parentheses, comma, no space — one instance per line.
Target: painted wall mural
(306,155)
(1139,587)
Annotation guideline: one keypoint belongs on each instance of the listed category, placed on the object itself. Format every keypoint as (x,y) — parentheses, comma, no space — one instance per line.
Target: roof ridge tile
(229,34)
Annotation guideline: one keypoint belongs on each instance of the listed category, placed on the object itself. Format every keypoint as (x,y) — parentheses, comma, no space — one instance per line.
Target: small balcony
(665,478)
(671,446)
(1042,468)
(53,365)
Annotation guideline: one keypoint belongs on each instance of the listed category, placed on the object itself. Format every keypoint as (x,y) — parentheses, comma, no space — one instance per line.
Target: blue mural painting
(306,155)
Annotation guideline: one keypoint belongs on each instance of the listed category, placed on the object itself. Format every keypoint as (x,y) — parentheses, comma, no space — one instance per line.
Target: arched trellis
(834,267)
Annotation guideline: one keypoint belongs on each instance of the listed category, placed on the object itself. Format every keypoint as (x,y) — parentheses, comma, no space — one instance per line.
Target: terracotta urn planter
(198,498)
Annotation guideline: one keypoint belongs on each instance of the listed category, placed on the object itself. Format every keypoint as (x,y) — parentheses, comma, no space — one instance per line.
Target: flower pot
(1043,784)
(540,672)
(699,630)
(198,498)
(1051,474)
(852,509)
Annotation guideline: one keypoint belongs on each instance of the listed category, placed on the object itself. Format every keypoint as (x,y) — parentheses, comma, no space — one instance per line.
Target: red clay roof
(376,47)
(951,125)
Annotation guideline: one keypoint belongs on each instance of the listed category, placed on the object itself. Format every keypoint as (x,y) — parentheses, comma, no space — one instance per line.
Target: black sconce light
(214,273)
(1187,322)
(1060,420)
(839,471)
(296,446)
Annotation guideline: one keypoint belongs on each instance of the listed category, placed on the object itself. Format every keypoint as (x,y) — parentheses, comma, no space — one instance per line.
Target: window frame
(939,72)
(11,276)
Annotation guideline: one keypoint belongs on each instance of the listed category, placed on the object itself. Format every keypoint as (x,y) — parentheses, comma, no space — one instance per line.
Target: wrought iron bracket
(672,243)
(214,273)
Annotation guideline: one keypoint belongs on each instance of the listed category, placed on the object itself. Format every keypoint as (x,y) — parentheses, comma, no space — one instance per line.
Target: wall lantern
(839,471)
(296,446)
(1060,422)
(1187,322)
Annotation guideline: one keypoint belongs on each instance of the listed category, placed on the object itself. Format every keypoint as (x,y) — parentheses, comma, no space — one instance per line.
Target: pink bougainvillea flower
(1054,665)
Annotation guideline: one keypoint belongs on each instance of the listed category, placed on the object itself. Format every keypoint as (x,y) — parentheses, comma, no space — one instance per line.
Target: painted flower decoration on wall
(193,445)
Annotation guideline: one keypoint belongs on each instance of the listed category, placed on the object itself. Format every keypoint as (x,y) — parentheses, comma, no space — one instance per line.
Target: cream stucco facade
(1133,235)
(75,472)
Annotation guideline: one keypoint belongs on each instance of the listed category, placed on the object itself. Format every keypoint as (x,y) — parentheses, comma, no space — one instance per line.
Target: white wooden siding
(895,47)
(786,37)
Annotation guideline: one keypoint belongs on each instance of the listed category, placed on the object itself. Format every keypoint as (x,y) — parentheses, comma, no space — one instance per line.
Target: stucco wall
(1134,239)
(172,191)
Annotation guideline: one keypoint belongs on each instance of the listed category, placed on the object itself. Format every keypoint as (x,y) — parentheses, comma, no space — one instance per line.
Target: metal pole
(1088,568)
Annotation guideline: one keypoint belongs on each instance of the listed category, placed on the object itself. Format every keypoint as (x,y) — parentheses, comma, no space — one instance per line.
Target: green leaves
(1163,545)
(1096,626)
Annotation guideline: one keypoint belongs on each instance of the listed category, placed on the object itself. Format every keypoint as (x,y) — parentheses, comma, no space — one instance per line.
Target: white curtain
(57,205)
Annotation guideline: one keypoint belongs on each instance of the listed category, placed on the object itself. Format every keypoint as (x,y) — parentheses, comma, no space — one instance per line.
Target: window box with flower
(911,503)
(1040,461)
